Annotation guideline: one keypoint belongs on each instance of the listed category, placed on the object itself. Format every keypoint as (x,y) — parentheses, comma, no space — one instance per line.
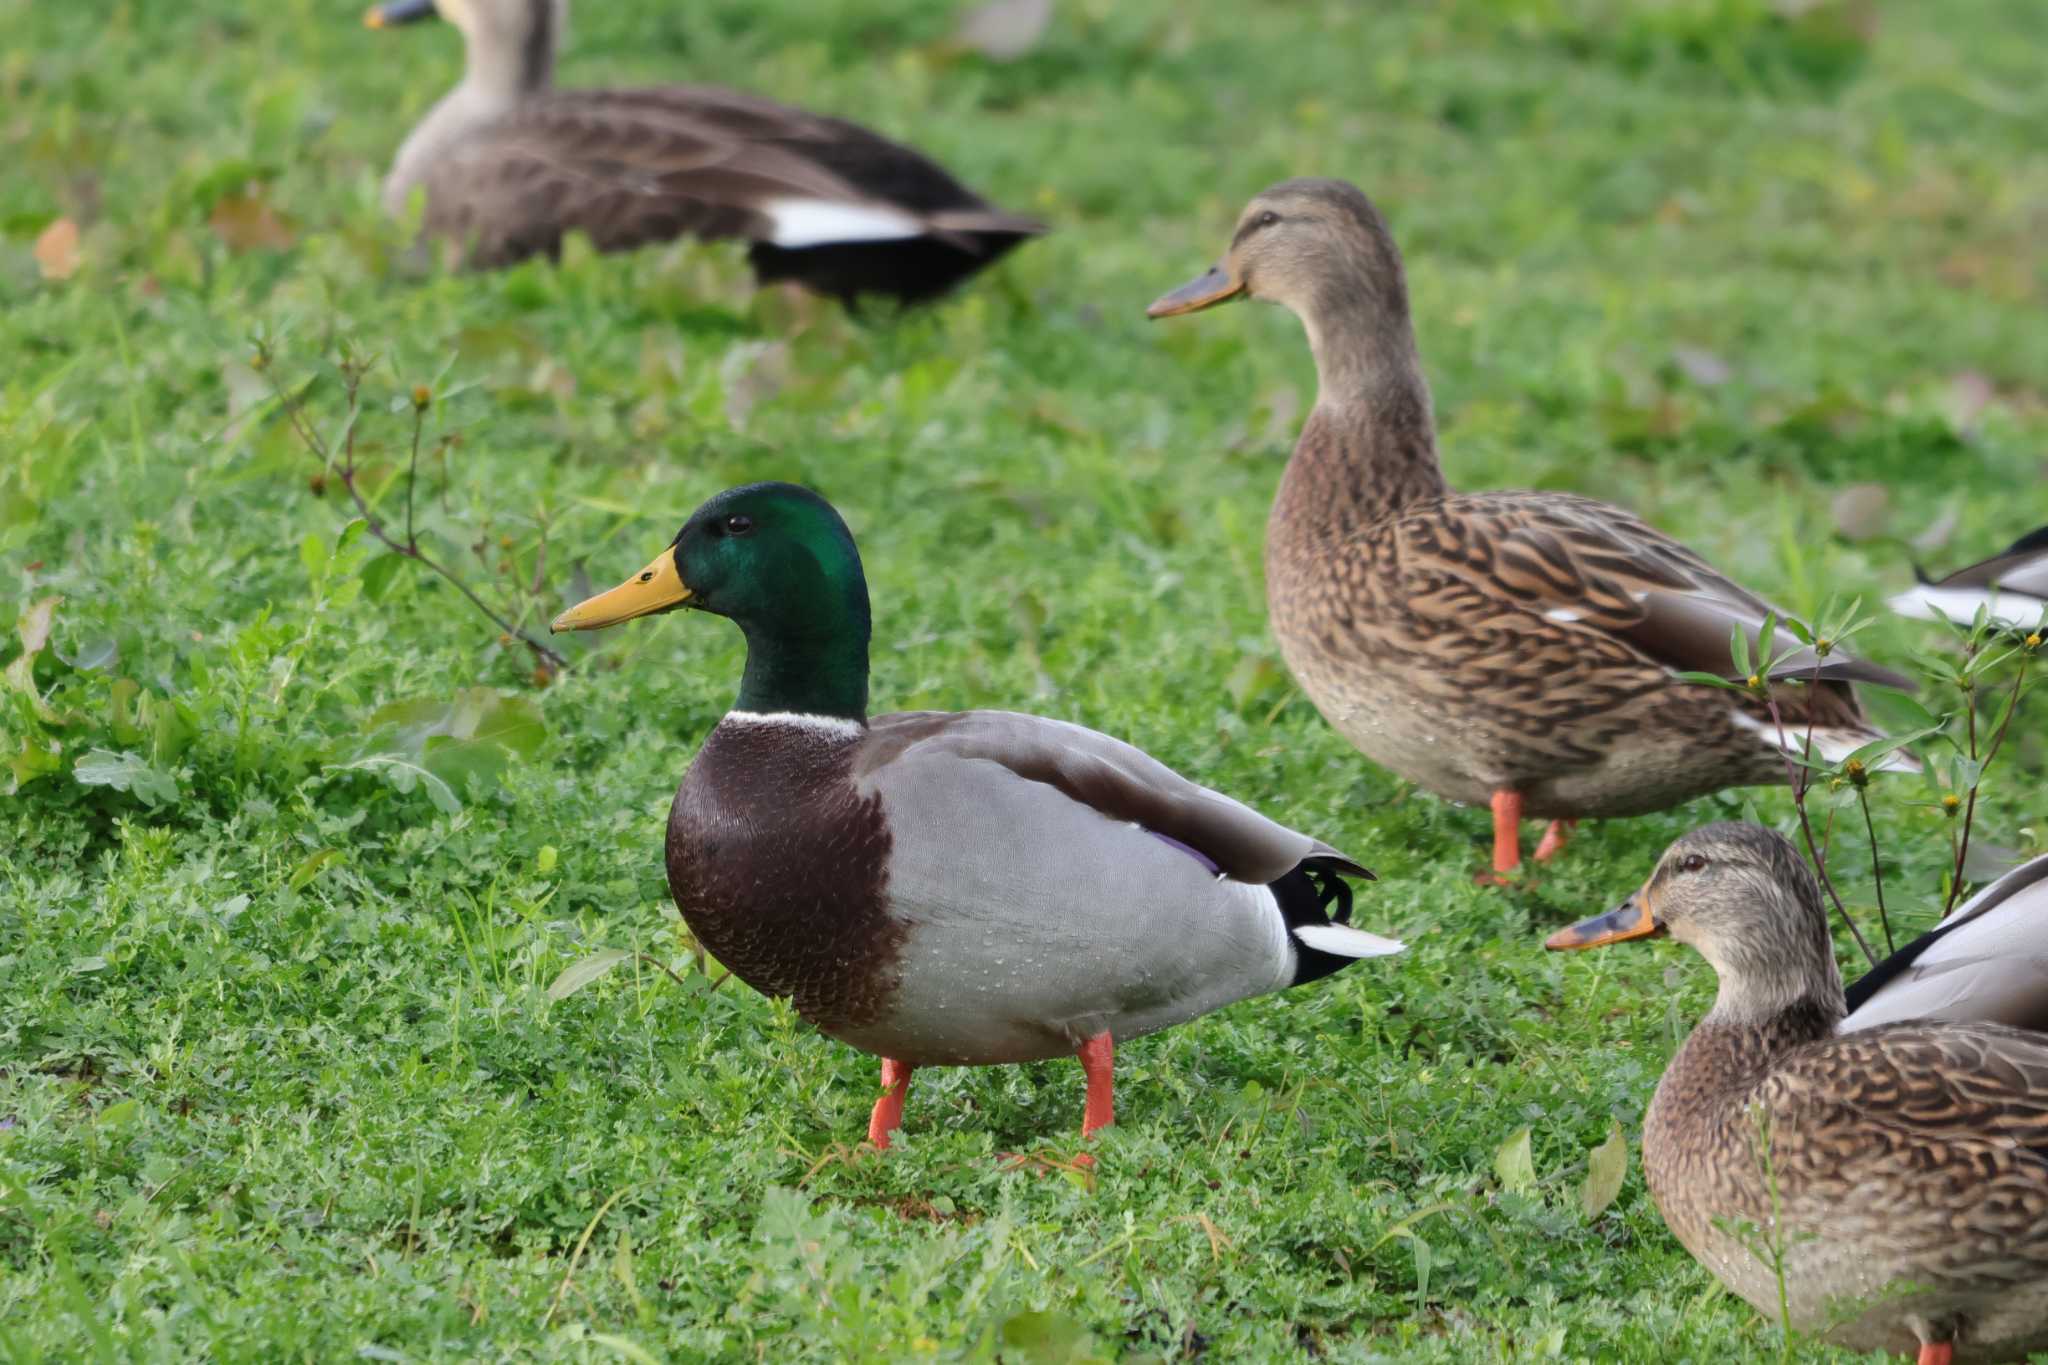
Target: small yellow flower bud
(1858,778)
(1755,681)
(422,396)
(1951,803)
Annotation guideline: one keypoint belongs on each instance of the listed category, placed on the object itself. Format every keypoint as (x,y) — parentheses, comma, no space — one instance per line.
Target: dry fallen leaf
(1701,366)
(752,371)
(1004,30)
(245,222)
(57,250)
(1862,510)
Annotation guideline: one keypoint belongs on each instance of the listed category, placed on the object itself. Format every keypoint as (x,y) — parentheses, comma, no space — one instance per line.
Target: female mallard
(1511,649)
(953,888)
(2011,588)
(510,164)
(1906,1189)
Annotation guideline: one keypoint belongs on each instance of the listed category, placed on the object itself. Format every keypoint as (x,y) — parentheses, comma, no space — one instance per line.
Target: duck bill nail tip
(656,588)
(1631,919)
(398,12)
(1205,292)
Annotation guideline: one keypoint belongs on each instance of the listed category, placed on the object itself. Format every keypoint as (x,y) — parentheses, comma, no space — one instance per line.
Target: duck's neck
(1767,1006)
(1368,449)
(511,62)
(502,69)
(807,671)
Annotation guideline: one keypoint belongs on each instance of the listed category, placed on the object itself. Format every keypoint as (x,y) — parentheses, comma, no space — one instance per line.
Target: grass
(279,1075)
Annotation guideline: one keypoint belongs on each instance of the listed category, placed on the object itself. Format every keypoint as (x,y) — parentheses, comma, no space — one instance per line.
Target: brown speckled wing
(1114,778)
(1579,561)
(1958,1093)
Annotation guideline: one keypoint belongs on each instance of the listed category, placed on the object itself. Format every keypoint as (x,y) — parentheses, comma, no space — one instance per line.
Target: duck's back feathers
(1118,781)
(633,166)
(1986,962)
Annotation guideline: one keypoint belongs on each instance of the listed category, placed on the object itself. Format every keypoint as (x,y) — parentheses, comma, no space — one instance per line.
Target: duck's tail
(1315,902)
(1831,743)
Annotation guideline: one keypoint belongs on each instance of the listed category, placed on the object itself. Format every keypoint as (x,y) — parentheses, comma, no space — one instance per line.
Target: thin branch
(1962,845)
(352,376)
(1876,867)
(1806,828)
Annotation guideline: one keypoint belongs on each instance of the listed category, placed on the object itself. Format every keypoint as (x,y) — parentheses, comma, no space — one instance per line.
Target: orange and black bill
(1633,918)
(658,587)
(1206,292)
(398,12)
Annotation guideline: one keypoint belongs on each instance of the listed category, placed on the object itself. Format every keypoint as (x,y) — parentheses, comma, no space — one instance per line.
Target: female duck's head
(1742,896)
(511,43)
(778,561)
(1307,244)
(1320,249)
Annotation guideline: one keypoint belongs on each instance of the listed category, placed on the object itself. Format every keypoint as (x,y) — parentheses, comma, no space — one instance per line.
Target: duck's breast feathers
(1114,779)
(1987,962)
(1577,561)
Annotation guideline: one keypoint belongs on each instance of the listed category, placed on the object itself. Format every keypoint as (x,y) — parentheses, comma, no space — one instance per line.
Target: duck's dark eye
(1693,862)
(738,524)
(1268,218)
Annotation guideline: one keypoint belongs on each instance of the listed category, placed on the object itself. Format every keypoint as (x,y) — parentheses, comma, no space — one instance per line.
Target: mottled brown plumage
(1486,645)
(509,165)
(1909,1160)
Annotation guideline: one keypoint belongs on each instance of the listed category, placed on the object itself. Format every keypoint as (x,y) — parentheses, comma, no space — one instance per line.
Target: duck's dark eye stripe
(1266,219)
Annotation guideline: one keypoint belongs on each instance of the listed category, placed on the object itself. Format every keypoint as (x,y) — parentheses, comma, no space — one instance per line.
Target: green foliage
(296,846)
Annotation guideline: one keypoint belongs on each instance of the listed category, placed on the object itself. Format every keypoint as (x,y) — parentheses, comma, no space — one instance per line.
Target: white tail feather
(1928,602)
(821,222)
(1830,745)
(1344,941)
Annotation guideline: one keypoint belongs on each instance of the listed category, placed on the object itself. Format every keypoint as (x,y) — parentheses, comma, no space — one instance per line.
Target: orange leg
(1098,1063)
(1936,1353)
(888,1114)
(1554,839)
(1507,830)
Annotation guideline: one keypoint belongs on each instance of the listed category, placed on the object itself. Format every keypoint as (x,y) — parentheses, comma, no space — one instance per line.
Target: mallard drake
(953,888)
(1510,649)
(509,164)
(1906,1187)
(2011,588)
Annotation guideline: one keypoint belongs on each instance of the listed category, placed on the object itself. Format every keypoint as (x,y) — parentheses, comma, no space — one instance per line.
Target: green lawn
(279,1073)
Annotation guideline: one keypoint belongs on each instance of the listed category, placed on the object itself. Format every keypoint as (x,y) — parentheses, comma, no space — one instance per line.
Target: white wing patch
(1566,614)
(1344,941)
(821,222)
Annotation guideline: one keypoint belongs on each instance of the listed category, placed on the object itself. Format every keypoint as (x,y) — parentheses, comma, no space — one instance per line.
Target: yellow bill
(1633,918)
(658,587)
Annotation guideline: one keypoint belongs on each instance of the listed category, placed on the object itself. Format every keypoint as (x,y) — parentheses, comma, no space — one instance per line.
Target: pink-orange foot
(1507,838)
(1937,1353)
(1554,839)
(1098,1064)
(888,1115)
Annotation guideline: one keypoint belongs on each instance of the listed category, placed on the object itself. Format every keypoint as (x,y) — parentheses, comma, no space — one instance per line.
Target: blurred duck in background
(2010,588)
(509,164)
